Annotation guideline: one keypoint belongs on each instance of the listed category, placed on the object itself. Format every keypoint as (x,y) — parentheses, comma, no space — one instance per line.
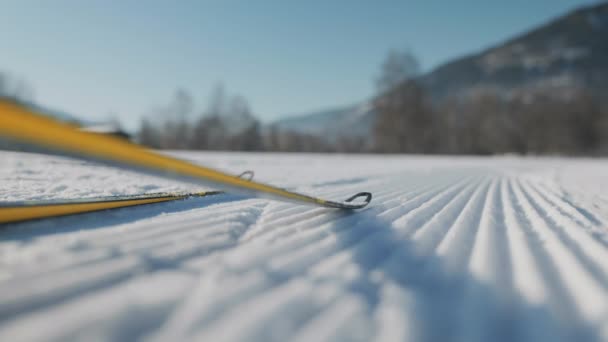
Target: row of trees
(535,121)
(176,125)
(548,120)
(226,125)
(407,121)
(486,122)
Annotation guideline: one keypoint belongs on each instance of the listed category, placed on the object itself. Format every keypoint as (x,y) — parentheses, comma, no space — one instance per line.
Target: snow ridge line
(558,192)
(335,228)
(564,208)
(381,200)
(283,226)
(361,227)
(71,281)
(529,286)
(563,211)
(587,249)
(106,246)
(379,262)
(304,227)
(581,296)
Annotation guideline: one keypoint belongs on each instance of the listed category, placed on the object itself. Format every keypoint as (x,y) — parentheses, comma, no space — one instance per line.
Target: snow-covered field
(467,249)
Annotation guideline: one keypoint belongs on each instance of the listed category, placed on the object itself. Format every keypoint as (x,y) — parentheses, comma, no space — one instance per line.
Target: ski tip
(246,175)
(367,195)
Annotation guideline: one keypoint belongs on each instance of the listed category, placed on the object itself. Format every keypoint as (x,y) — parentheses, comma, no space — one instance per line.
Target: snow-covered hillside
(467,249)
(356,120)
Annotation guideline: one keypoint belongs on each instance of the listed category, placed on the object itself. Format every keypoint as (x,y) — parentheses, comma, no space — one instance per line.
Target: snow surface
(466,249)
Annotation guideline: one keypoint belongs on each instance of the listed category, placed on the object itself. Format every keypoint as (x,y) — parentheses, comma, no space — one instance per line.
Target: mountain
(349,120)
(571,51)
(568,52)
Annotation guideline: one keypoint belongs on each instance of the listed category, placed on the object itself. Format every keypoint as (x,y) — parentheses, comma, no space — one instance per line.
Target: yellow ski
(22,125)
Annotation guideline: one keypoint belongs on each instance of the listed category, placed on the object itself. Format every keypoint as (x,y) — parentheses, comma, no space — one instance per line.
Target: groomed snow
(466,249)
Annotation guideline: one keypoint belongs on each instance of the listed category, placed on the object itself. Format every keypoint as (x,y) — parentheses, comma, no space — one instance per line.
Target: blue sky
(93,58)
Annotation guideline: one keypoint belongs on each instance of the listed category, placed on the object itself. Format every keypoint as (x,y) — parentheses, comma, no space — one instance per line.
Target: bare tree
(149,134)
(217,101)
(398,67)
(182,106)
(404,120)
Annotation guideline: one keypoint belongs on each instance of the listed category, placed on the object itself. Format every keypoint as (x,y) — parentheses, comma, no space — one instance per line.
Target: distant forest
(227,125)
(574,122)
(548,121)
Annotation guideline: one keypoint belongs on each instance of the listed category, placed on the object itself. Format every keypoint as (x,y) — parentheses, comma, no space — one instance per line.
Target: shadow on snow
(27,231)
